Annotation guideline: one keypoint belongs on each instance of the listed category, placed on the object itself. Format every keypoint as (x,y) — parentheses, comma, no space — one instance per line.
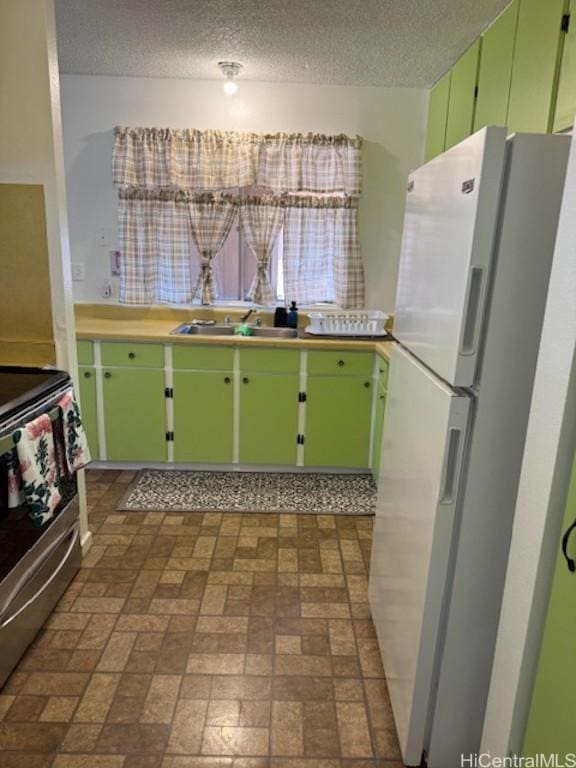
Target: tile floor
(193,640)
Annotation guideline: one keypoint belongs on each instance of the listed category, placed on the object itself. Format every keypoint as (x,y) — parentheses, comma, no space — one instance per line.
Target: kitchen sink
(262,331)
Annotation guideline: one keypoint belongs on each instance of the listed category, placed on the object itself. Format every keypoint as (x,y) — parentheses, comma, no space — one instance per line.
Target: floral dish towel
(76,444)
(33,479)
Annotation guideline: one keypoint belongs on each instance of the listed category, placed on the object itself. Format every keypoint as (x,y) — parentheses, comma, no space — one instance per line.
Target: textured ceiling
(338,42)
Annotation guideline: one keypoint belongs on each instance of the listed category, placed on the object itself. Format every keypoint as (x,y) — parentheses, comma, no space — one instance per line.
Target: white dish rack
(348,323)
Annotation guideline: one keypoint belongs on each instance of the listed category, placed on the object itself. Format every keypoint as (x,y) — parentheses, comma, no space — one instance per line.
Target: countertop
(155,326)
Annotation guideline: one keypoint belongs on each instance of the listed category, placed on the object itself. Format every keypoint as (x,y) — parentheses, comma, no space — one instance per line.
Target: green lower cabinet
(88,409)
(550,727)
(134,414)
(203,416)
(378,431)
(337,422)
(268,418)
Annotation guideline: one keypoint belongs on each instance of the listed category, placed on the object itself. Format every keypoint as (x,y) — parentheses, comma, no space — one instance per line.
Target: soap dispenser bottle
(293,315)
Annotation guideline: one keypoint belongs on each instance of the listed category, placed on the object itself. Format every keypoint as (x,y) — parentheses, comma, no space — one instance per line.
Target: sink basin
(262,331)
(273,333)
(188,329)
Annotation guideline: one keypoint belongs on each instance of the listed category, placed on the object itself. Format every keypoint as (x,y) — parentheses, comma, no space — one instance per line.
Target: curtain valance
(279,201)
(164,158)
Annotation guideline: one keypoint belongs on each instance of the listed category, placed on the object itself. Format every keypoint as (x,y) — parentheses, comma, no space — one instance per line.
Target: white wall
(548,454)
(391,120)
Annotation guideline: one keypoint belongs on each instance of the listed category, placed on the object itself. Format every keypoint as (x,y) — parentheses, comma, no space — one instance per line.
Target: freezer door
(425,434)
(449,232)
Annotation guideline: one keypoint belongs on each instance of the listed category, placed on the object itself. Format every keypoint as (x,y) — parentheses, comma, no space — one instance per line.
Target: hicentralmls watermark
(540,760)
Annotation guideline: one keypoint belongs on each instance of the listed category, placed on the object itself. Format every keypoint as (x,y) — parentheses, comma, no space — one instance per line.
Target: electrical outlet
(77,271)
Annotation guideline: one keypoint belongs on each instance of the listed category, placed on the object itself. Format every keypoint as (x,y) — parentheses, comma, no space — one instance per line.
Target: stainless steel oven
(36,564)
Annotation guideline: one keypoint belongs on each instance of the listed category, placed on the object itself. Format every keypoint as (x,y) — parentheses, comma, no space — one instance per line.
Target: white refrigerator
(477,246)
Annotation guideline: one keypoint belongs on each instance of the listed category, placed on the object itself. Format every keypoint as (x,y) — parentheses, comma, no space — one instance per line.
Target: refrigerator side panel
(447,248)
(424,437)
(524,251)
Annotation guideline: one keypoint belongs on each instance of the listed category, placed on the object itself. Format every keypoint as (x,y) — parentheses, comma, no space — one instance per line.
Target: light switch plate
(77,271)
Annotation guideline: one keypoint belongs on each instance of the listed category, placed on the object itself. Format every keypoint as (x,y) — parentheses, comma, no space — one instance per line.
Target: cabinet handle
(381,370)
(565,539)
(382,397)
(340,363)
(367,384)
(87,374)
(245,379)
(107,375)
(131,355)
(227,380)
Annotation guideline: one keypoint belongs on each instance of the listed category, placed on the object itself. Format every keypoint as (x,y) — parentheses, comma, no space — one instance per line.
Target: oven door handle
(74,535)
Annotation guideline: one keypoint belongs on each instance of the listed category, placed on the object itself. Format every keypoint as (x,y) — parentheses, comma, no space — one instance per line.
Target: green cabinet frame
(203,416)
(134,414)
(338,414)
(495,71)
(268,418)
(462,96)
(89,409)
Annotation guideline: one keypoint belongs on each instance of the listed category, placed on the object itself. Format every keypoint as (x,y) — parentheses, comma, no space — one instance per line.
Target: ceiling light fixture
(230,70)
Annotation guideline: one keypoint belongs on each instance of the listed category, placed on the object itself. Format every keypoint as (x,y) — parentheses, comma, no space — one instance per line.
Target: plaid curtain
(312,164)
(322,256)
(158,264)
(210,224)
(260,226)
(162,158)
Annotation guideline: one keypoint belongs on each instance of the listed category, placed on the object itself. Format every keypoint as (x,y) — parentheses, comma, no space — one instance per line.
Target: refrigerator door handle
(450,474)
(470,333)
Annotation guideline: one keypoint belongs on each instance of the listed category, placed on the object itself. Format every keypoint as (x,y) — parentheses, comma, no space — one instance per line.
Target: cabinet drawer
(202,358)
(340,363)
(85,352)
(382,369)
(133,355)
(270,360)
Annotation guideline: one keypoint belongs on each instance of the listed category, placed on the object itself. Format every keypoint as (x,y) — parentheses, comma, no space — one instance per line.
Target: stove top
(21,387)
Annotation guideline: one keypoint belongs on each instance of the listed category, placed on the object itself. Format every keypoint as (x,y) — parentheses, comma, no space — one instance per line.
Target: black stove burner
(22,387)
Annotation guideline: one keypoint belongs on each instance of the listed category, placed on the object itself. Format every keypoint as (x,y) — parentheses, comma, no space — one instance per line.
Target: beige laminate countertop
(118,328)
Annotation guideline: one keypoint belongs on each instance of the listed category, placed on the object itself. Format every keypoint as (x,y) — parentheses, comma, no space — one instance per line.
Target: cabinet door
(551,721)
(462,96)
(536,60)
(337,422)
(437,116)
(88,409)
(495,73)
(268,418)
(566,99)
(203,416)
(134,414)
(378,430)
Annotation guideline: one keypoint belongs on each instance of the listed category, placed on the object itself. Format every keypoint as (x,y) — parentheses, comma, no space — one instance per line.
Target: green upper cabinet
(338,413)
(88,409)
(551,721)
(566,100)
(203,416)
(462,96)
(134,414)
(537,54)
(437,116)
(495,72)
(268,418)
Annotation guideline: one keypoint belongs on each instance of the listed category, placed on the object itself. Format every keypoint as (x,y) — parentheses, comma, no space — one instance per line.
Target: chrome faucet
(227,320)
(258,321)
